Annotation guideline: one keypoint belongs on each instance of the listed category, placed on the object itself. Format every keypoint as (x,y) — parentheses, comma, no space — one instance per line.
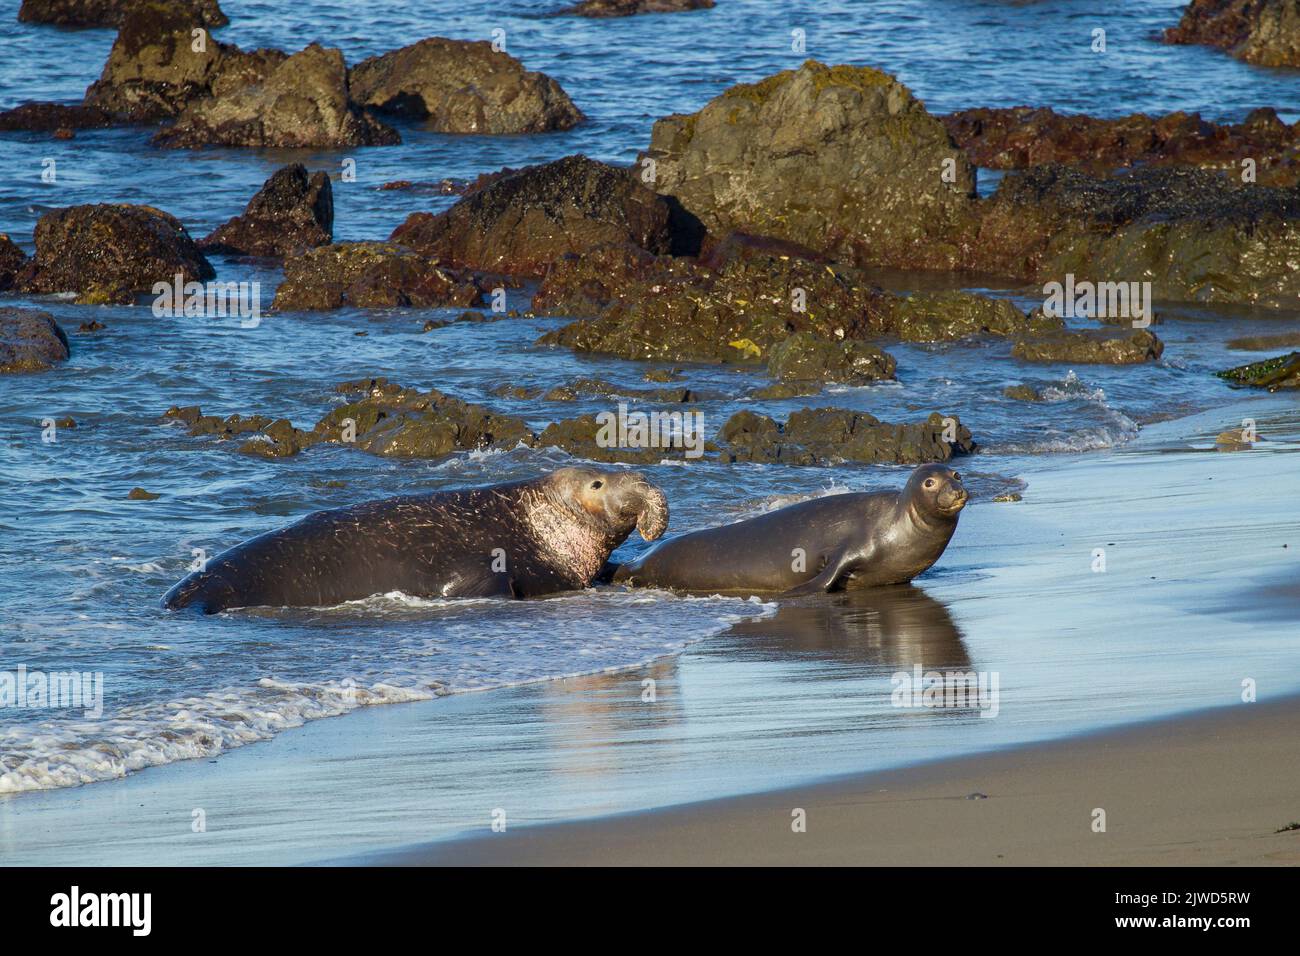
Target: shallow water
(82,567)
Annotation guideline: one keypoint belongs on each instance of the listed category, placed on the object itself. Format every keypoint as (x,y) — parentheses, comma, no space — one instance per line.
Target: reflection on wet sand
(589,718)
(849,644)
(895,627)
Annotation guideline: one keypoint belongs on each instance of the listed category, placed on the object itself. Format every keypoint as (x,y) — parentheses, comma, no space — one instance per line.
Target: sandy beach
(1213,789)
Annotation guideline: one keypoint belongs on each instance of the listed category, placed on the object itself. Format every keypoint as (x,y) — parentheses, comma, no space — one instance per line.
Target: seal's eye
(956,476)
(930,482)
(596,484)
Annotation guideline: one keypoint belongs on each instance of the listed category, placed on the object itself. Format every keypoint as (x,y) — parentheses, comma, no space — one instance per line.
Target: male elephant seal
(863,539)
(519,539)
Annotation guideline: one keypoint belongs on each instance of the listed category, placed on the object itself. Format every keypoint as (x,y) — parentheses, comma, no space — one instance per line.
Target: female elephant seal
(863,539)
(519,539)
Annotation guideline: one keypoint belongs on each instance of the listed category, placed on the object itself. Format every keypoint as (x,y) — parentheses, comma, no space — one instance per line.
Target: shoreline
(1209,792)
(797,699)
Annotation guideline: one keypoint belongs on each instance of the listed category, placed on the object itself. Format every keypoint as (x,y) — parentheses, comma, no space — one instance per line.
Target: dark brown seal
(863,539)
(520,539)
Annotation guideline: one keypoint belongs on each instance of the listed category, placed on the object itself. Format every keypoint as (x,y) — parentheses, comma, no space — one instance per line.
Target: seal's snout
(953,496)
(652,516)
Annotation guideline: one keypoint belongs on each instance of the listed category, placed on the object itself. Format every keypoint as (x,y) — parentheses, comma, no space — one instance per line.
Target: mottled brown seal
(519,539)
(863,539)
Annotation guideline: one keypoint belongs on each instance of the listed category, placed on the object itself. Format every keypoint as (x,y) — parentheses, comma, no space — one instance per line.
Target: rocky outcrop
(292,212)
(1023,136)
(841,159)
(804,357)
(30,341)
(654,307)
(111,253)
(1262,32)
(829,436)
(154,71)
(627,8)
(12,261)
(303,103)
(459,86)
(518,224)
(1099,347)
(1194,235)
(109,13)
(1276,373)
(370,275)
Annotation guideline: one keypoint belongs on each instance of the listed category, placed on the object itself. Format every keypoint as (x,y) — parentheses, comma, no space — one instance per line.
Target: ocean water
(82,567)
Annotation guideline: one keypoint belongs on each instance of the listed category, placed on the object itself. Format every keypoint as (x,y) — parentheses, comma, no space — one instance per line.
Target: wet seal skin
(519,539)
(862,539)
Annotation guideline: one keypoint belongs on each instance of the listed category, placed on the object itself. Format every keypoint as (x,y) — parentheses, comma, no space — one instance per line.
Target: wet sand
(1207,790)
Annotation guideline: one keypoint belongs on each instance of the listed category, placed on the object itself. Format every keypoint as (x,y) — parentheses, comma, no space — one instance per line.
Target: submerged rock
(840,159)
(1021,137)
(599,388)
(462,86)
(1282,371)
(111,253)
(627,8)
(1022,393)
(405,423)
(12,261)
(55,117)
(30,341)
(519,223)
(303,102)
(154,71)
(828,436)
(370,275)
(109,13)
(292,212)
(1262,32)
(1095,347)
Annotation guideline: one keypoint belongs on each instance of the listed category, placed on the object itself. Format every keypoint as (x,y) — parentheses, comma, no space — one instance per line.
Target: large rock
(841,159)
(829,436)
(639,306)
(303,103)
(370,275)
(627,8)
(1091,347)
(292,212)
(111,253)
(460,86)
(1194,235)
(1263,32)
(521,222)
(153,71)
(108,13)
(12,261)
(30,341)
(1023,136)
